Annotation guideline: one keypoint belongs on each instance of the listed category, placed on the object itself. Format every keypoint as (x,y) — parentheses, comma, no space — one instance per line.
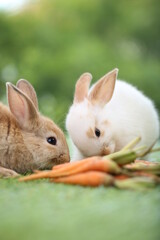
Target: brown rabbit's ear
(103,90)
(82,86)
(21,106)
(28,89)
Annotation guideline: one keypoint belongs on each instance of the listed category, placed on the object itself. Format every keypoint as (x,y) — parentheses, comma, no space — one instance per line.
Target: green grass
(41,210)
(47,211)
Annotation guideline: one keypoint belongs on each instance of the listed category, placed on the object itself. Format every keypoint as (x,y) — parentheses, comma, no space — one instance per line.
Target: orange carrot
(37,175)
(60,165)
(76,163)
(91,178)
(104,165)
(72,165)
(47,174)
(94,163)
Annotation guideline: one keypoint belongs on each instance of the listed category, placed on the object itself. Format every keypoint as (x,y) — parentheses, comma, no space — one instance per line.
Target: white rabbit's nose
(106,151)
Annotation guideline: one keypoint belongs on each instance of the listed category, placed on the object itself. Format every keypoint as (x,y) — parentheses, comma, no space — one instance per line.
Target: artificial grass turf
(43,210)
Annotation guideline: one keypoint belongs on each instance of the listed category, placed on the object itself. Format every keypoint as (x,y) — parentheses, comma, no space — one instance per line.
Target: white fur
(129,114)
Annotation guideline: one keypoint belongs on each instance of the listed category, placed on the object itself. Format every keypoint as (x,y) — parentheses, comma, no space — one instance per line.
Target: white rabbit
(105,118)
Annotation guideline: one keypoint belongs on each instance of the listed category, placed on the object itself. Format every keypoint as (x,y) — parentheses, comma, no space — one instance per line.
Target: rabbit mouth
(62,158)
(105,151)
(108,148)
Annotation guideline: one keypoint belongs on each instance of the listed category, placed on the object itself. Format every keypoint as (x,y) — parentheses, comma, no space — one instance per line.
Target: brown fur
(105,151)
(23,144)
(105,122)
(27,88)
(90,133)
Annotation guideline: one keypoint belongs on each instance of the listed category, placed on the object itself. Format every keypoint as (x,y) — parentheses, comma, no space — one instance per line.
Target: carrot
(46,174)
(136,183)
(60,165)
(122,157)
(91,178)
(37,175)
(73,165)
(151,167)
(104,165)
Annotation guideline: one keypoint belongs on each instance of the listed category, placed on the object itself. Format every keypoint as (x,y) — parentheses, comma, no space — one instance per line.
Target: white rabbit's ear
(21,106)
(28,89)
(103,90)
(82,87)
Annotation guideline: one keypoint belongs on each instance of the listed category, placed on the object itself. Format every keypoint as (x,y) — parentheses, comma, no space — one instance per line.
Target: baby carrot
(60,165)
(48,174)
(34,176)
(91,178)
(72,165)
(104,165)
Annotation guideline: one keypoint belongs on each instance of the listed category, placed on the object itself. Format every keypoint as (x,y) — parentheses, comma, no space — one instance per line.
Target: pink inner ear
(17,106)
(22,108)
(27,88)
(103,90)
(82,86)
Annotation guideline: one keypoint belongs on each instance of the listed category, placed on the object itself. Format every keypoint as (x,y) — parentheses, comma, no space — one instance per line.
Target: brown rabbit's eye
(52,140)
(97,132)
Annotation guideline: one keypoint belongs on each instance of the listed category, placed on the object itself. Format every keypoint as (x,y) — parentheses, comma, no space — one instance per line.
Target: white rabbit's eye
(97,132)
(52,140)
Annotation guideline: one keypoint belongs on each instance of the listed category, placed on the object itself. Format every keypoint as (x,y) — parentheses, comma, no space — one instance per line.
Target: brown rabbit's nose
(64,157)
(61,155)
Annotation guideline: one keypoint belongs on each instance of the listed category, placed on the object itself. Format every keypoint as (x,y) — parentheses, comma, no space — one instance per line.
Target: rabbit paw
(7,173)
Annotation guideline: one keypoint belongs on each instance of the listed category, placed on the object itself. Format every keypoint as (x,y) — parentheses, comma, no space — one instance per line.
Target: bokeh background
(52,42)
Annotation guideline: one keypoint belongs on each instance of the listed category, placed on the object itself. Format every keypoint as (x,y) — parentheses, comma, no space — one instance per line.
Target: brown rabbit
(28,140)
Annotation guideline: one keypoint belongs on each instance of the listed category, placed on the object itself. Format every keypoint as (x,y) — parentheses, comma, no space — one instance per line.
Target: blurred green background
(51,43)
